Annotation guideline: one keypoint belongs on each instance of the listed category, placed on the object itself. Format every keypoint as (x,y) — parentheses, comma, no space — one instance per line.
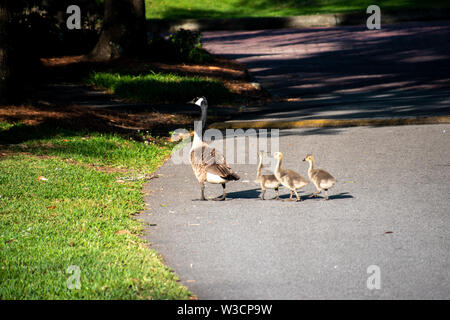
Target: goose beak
(191,102)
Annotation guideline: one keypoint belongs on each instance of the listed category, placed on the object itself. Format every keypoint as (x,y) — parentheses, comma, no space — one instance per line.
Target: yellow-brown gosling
(320,178)
(288,178)
(267,181)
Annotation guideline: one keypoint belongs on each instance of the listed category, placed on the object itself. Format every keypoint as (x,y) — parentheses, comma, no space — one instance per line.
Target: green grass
(176,9)
(159,87)
(78,216)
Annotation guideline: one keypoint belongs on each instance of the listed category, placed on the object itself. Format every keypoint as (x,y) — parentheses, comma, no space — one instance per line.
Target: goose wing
(213,162)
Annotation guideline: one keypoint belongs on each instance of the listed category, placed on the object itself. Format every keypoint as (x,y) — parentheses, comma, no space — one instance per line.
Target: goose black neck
(200,129)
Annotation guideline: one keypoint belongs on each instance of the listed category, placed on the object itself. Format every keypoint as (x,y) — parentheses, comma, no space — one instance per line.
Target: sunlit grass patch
(56,213)
(177,9)
(160,87)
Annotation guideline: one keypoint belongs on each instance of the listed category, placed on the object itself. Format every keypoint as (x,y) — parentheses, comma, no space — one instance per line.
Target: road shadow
(244,194)
(346,72)
(342,195)
(256,194)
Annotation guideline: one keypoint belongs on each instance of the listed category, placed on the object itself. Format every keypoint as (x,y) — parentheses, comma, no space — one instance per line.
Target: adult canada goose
(288,178)
(267,181)
(208,164)
(321,179)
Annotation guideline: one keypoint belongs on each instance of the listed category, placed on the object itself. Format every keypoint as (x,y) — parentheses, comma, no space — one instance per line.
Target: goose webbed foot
(221,198)
(202,197)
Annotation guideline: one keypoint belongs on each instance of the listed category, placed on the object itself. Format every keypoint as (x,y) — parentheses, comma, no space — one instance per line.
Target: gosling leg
(262,194)
(315,194)
(326,194)
(277,194)
(290,196)
(298,197)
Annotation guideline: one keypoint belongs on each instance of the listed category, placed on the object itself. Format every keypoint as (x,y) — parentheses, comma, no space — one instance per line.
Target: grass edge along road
(214,9)
(64,202)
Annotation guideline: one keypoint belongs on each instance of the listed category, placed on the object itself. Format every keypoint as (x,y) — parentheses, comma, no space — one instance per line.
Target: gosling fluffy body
(288,178)
(267,181)
(319,177)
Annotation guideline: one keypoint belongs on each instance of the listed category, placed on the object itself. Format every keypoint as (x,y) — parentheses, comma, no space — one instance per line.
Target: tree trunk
(5,72)
(123,32)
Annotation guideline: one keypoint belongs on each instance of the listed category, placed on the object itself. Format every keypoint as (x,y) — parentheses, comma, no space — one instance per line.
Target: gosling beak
(304,159)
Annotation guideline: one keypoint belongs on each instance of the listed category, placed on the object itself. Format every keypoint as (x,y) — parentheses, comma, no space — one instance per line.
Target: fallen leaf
(120,232)
(293,99)
(51,207)
(42,178)
(388,232)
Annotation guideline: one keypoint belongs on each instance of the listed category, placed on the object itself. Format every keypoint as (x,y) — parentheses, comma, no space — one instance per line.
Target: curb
(335,123)
(303,21)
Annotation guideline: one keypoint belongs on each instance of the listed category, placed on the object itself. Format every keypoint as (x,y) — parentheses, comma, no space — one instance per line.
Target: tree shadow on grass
(44,122)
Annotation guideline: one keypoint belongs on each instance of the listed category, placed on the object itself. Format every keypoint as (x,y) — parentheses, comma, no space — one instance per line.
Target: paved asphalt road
(346,72)
(390,208)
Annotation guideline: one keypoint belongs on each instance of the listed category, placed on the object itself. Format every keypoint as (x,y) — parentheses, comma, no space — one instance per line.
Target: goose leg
(202,198)
(224,195)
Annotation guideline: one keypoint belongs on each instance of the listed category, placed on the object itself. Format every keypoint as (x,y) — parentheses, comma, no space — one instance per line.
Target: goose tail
(233,176)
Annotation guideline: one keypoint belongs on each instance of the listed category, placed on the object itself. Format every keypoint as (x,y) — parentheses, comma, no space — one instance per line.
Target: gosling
(288,178)
(267,181)
(320,178)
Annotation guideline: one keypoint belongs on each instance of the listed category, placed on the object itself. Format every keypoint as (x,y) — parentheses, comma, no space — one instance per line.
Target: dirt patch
(101,120)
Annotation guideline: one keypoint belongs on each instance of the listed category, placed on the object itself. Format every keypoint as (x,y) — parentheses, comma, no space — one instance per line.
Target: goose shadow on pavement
(256,194)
